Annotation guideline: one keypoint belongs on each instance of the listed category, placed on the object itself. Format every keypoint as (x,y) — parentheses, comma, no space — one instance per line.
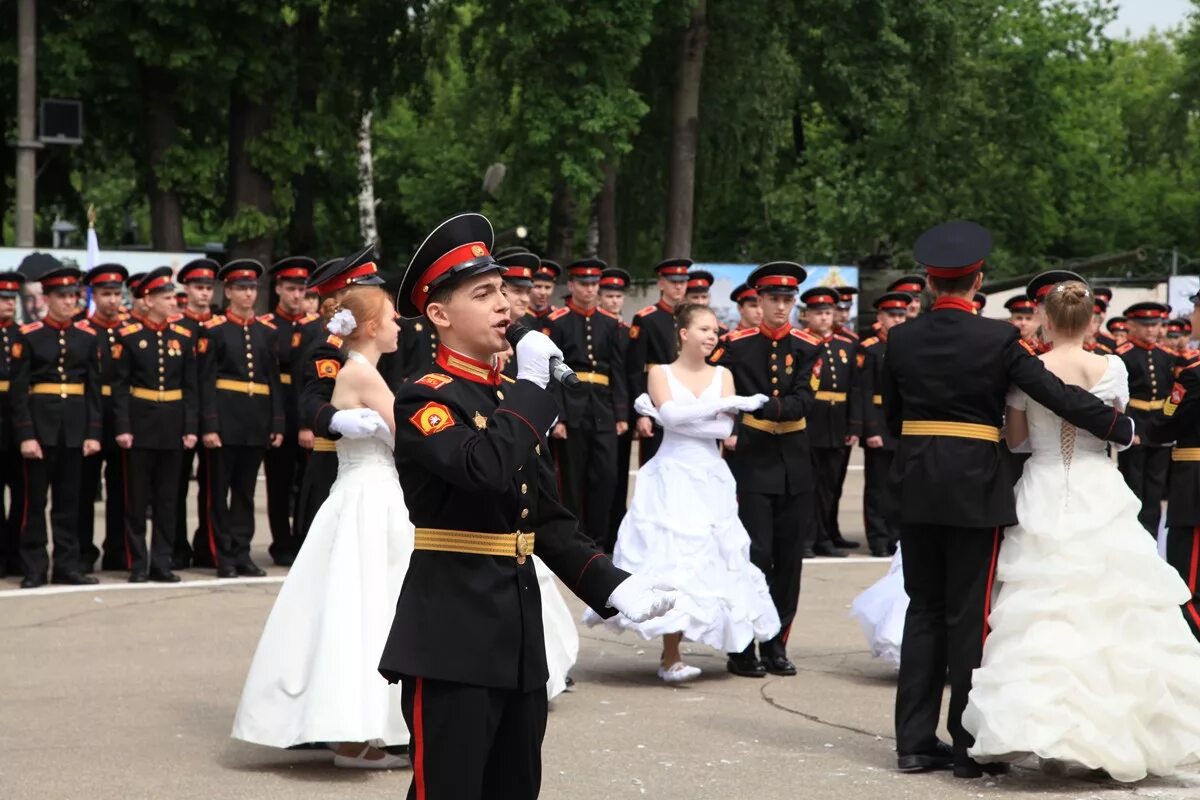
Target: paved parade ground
(128,693)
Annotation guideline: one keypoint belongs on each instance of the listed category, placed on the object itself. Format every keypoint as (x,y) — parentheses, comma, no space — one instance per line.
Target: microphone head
(515,332)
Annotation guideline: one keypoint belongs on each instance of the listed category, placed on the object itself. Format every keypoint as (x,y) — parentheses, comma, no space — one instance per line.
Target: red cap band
(1045,290)
(108,277)
(584,272)
(698,283)
(908,288)
(953,272)
(459,255)
(199,275)
(66,280)
(241,274)
(613,282)
(746,294)
(1148,313)
(888,305)
(9,286)
(346,279)
(292,272)
(518,272)
(147,288)
(1023,305)
(777,280)
(679,270)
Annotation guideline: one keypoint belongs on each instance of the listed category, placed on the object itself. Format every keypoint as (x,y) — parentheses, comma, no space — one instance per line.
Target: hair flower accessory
(342,323)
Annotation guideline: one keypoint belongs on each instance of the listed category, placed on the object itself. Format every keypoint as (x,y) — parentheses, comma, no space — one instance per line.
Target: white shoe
(361,761)
(678,672)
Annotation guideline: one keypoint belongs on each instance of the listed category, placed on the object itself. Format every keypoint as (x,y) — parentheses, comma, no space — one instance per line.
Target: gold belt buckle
(524,547)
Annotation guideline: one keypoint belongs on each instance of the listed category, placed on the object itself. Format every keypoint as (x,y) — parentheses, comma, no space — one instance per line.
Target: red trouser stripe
(418,754)
(1190,605)
(987,597)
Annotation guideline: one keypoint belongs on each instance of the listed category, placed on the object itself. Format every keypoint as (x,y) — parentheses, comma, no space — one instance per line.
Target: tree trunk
(685,134)
(561,240)
(251,194)
(302,233)
(367,225)
(606,214)
(159,134)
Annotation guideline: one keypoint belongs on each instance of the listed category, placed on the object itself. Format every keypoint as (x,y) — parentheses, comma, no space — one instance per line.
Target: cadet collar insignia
(1177,394)
(327,367)
(663,307)
(480,421)
(462,366)
(236,320)
(434,380)
(432,418)
(956,303)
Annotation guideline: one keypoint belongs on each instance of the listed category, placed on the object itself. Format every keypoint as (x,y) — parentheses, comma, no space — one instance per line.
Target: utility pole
(27,144)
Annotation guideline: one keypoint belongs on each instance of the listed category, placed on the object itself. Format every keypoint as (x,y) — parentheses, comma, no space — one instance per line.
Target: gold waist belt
(4,386)
(832,397)
(245,387)
(877,399)
(1185,454)
(592,377)
(60,389)
(777,428)
(285,379)
(515,545)
(157,395)
(959,430)
(1147,405)
(321,445)
(106,391)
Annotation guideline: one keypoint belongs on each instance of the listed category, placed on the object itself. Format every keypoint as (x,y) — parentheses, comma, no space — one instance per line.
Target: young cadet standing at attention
(12,476)
(613,283)
(467,638)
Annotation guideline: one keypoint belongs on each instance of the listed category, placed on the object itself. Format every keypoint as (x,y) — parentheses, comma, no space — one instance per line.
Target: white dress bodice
(684,445)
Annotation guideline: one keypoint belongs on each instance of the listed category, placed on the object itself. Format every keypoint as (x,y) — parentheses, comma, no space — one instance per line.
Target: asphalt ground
(129,692)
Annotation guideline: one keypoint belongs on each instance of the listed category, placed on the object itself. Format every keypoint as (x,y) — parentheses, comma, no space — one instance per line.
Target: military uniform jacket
(106,336)
(237,352)
(1178,421)
(949,365)
(289,343)
(469,448)
(1151,373)
(869,386)
(418,348)
(12,351)
(835,412)
(651,341)
(159,360)
(593,346)
(318,375)
(782,365)
(66,356)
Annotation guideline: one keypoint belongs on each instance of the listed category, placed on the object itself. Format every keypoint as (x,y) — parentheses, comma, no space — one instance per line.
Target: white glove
(534,352)
(359,423)
(752,403)
(640,600)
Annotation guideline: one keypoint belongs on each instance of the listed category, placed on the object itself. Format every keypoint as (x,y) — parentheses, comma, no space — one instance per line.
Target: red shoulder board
(175,318)
(806,335)
(267,317)
(608,313)
(267,322)
(842,337)
(130,329)
(736,335)
(334,340)
(310,316)
(31,327)
(85,326)
(558,313)
(434,380)
(716,355)
(1169,350)
(1029,347)
(870,341)
(182,331)
(1125,348)
(214,322)
(645,311)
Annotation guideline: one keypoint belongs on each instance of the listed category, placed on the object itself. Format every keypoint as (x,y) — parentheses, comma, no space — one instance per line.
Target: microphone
(558,370)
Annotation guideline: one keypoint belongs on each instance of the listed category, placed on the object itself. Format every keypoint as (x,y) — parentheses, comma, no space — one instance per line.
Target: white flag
(93,258)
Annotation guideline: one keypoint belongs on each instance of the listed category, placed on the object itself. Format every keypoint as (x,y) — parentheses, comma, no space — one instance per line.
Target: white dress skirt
(1089,660)
(314,677)
(682,529)
(880,610)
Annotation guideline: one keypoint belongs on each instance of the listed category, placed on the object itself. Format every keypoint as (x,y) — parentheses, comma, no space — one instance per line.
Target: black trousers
(109,462)
(471,742)
(55,475)
(827,466)
(948,575)
(843,468)
(320,472)
(621,493)
(233,471)
(1183,553)
(881,501)
(1145,470)
(776,544)
(202,553)
(587,464)
(150,481)
(12,509)
(648,447)
(284,467)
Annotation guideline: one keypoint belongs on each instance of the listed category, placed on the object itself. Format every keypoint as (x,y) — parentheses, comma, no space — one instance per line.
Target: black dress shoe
(137,576)
(88,569)
(845,544)
(251,570)
(942,757)
(973,769)
(284,561)
(778,665)
(746,665)
(74,579)
(114,566)
(807,552)
(158,576)
(880,552)
(226,572)
(827,550)
(32,583)
(181,563)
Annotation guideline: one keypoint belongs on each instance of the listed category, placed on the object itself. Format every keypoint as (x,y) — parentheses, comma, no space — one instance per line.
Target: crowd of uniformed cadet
(142,397)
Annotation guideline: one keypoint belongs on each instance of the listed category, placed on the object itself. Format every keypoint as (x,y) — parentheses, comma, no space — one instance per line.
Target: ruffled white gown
(880,610)
(314,675)
(558,624)
(1089,660)
(682,529)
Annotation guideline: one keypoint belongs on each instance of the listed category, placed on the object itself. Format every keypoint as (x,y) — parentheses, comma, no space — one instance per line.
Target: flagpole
(93,253)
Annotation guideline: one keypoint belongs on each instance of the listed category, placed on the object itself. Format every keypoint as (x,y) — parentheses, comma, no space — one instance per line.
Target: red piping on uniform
(987,598)
(1190,605)
(785,634)
(585,568)
(418,761)
(518,416)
